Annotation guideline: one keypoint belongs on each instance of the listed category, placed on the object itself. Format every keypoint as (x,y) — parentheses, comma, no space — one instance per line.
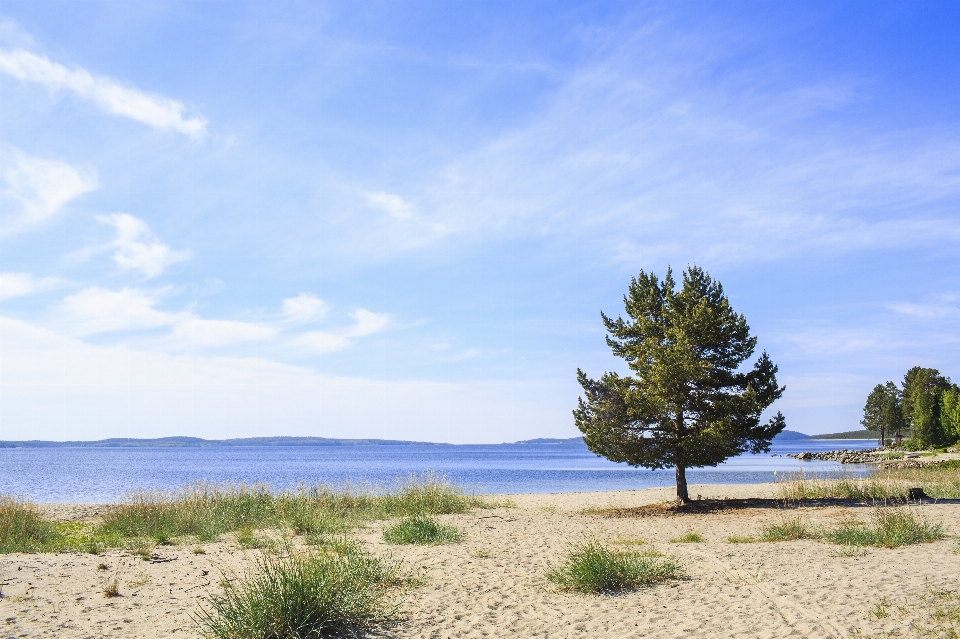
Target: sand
(491,584)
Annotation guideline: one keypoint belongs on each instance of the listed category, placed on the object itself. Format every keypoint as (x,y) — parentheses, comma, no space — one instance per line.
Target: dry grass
(939,481)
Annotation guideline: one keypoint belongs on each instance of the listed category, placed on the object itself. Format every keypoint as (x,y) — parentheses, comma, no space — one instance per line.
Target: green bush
(890,528)
(690,537)
(787,530)
(317,593)
(423,530)
(592,567)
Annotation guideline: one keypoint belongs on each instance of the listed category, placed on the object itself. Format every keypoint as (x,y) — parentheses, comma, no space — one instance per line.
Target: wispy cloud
(305,307)
(367,323)
(108,94)
(20,284)
(95,386)
(97,310)
(138,249)
(391,204)
(321,341)
(201,333)
(35,189)
(926,311)
(364,323)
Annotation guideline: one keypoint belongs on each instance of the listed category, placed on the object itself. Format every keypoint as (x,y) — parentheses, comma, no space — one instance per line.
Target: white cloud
(36,188)
(367,323)
(321,341)
(20,284)
(137,248)
(108,94)
(211,333)
(305,307)
(97,310)
(393,205)
(52,387)
(926,311)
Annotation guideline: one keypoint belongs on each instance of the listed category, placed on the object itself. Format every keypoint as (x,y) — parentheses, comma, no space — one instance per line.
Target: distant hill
(196,442)
(790,434)
(850,434)
(551,440)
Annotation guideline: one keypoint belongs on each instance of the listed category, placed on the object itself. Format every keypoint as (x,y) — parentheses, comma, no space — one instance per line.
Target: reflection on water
(106,474)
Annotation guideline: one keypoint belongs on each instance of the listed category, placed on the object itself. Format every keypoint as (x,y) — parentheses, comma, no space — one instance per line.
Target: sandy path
(490,585)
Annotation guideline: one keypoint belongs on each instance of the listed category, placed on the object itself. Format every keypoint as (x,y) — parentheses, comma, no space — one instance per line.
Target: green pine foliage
(688,403)
(927,405)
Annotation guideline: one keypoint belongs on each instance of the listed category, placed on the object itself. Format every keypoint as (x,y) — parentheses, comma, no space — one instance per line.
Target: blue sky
(402,219)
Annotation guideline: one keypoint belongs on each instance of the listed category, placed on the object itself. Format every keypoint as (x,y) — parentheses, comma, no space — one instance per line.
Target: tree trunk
(682,496)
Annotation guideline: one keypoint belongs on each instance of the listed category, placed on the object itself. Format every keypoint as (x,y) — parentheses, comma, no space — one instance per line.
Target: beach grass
(790,529)
(312,593)
(940,480)
(935,614)
(690,537)
(205,512)
(422,530)
(591,567)
(23,528)
(890,527)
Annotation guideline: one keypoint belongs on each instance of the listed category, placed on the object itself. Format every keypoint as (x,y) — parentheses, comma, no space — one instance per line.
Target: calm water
(99,475)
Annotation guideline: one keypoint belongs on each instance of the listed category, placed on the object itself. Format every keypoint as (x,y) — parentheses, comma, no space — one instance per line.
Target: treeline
(925,409)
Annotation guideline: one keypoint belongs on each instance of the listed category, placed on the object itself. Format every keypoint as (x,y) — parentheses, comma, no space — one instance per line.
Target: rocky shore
(844,456)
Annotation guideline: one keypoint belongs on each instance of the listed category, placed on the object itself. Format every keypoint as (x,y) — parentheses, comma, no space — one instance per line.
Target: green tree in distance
(923,390)
(883,413)
(950,414)
(687,403)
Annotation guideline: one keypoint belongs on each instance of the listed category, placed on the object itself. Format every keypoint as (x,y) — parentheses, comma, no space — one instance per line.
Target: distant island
(197,442)
(850,434)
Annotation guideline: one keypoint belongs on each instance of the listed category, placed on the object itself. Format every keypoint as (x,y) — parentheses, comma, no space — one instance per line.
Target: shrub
(690,537)
(592,567)
(890,528)
(787,530)
(420,529)
(23,528)
(317,593)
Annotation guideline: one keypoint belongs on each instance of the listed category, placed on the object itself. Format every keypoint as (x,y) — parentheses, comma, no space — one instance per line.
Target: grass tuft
(422,530)
(690,537)
(23,528)
(317,593)
(740,539)
(592,567)
(788,530)
(891,527)
(112,589)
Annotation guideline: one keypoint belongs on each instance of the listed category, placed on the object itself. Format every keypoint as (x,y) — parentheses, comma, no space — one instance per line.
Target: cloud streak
(35,189)
(138,249)
(21,284)
(108,94)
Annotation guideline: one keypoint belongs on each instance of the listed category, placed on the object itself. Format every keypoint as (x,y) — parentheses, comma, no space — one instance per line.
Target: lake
(99,475)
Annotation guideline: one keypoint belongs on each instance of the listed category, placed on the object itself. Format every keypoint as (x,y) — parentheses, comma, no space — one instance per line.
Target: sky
(402,219)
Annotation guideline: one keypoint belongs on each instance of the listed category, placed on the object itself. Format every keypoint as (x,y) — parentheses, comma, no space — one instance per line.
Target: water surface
(98,475)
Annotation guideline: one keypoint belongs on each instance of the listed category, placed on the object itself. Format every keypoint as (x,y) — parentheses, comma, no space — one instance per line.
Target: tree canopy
(928,404)
(883,412)
(687,403)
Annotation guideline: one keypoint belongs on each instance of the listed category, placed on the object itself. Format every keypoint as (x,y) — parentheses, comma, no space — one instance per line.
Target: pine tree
(686,404)
(883,412)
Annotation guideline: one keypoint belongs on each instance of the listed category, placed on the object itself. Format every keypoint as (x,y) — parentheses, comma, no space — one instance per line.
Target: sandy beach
(491,584)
